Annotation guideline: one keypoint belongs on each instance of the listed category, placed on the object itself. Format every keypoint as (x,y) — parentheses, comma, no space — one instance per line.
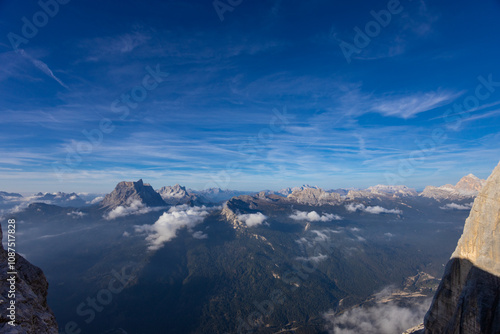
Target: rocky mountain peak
(468,186)
(470,183)
(126,192)
(314,196)
(177,194)
(382,191)
(176,191)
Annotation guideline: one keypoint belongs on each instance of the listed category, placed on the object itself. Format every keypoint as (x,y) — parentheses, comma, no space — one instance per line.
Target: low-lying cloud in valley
(313,216)
(166,227)
(76,214)
(353,207)
(252,219)
(455,206)
(136,207)
(316,259)
(387,318)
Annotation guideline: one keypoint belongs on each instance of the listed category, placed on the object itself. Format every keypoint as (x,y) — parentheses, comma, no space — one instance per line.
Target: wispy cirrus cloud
(42,67)
(108,47)
(409,106)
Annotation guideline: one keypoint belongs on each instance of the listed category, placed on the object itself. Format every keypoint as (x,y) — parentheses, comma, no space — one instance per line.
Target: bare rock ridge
(314,196)
(468,186)
(33,315)
(382,191)
(468,298)
(127,192)
(178,194)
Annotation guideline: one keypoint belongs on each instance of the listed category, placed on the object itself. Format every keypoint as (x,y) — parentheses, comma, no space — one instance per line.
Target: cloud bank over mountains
(388,318)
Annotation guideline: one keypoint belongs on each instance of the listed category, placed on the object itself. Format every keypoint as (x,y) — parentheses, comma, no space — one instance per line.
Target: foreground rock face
(468,298)
(33,315)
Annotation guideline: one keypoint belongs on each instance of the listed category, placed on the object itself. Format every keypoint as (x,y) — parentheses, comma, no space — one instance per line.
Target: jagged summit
(314,196)
(176,191)
(468,186)
(287,191)
(127,192)
(382,191)
(470,183)
(177,194)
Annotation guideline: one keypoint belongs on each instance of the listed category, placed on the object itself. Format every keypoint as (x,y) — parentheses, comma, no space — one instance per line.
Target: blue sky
(263,99)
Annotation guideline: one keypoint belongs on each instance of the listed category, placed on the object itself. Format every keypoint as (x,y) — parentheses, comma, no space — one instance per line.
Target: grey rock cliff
(33,315)
(468,298)
(127,192)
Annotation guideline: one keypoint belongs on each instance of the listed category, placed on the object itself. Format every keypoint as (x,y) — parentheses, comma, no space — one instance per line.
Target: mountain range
(258,262)
(466,188)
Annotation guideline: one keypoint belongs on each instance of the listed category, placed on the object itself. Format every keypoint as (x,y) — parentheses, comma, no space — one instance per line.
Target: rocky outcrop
(33,315)
(382,192)
(314,196)
(468,298)
(468,187)
(175,195)
(232,218)
(127,192)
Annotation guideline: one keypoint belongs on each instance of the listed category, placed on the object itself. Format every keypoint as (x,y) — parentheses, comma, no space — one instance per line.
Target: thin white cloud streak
(316,259)
(199,235)
(42,67)
(252,219)
(167,226)
(409,106)
(482,107)
(313,216)
(353,207)
(456,206)
(76,214)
